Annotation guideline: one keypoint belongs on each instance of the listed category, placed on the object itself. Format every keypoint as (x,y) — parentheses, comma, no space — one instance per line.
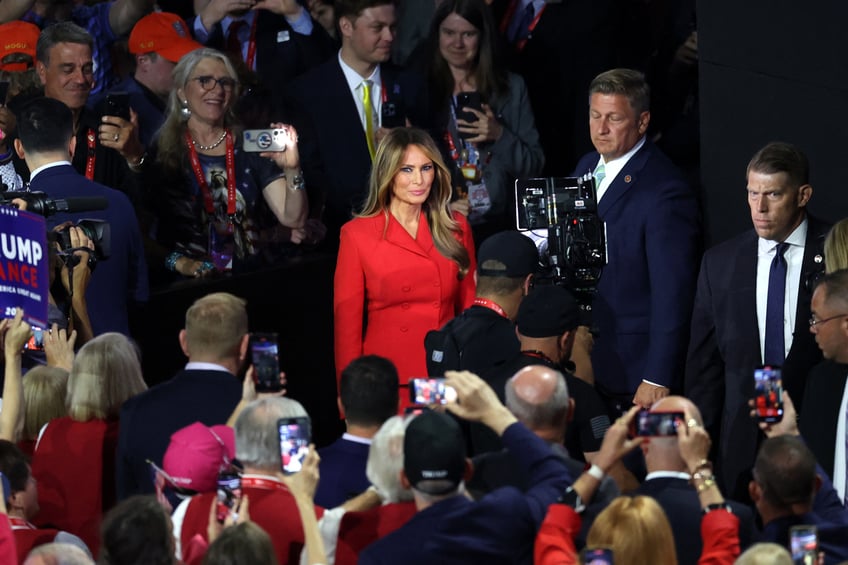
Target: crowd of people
(390,135)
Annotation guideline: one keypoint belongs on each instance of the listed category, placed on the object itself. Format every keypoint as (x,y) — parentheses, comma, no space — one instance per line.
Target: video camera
(575,246)
(98,231)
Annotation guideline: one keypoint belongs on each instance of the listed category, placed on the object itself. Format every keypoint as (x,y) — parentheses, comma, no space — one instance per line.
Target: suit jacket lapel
(397,235)
(744,279)
(348,112)
(628,177)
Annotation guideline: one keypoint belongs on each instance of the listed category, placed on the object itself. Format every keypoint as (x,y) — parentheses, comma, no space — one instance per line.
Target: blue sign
(24,265)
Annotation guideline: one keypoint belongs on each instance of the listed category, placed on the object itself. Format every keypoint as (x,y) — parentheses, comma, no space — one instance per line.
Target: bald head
(538,396)
(663,453)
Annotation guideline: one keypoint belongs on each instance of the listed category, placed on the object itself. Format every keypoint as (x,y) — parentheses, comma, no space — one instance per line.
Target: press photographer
(47,144)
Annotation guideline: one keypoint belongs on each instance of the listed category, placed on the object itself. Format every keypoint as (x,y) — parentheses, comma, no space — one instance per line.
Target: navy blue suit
(499,528)
(681,505)
(334,147)
(149,419)
(121,280)
(725,349)
(342,471)
(644,300)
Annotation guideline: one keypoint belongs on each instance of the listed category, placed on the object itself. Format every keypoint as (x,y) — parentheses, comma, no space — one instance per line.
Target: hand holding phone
(228,494)
(657,424)
(468,100)
(803,540)
(118,104)
(430,391)
(261,140)
(768,399)
(264,354)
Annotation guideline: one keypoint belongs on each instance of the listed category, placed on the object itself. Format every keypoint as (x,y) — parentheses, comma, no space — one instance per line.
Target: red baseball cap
(163,33)
(18,37)
(197,453)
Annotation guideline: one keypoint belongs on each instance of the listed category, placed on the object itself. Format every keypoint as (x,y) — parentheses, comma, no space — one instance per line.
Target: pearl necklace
(210,147)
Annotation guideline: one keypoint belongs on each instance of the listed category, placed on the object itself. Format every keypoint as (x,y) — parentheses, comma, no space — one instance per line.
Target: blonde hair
(171,148)
(44,390)
(216,324)
(388,162)
(836,247)
(637,530)
(106,373)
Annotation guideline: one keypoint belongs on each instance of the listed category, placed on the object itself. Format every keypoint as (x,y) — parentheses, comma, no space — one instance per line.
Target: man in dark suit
(331,115)
(215,341)
(653,229)
(274,42)
(730,322)
(368,396)
(669,483)
(825,395)
(47,144)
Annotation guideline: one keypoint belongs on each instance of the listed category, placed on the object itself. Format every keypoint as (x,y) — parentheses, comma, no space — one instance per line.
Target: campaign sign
(24,277)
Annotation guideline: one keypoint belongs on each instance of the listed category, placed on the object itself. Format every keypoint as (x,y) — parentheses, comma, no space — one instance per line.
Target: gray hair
(257,442)
(61,32)
(551,413)
(765,554)
(626,82)
(60,554)
(385,460)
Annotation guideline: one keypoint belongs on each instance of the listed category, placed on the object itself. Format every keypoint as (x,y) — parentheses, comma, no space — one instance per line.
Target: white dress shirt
(614,166)
(354,83)
(794,256)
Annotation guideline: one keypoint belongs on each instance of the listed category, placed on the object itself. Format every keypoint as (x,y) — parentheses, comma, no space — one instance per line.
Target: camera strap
(91,158)
(230,160)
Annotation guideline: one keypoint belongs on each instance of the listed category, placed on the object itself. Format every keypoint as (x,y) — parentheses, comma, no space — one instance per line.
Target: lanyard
(91,158)
(263,484)
(208,202)
(538,355)
(20,524)
(510,12)
(486,303)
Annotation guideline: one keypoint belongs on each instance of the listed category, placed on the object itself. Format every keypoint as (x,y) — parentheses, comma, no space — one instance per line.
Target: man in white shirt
(823,419)
(752,308)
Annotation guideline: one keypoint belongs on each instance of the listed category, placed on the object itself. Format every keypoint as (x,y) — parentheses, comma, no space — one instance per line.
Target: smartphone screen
(430,391)
(768,388)
(118,104)
(803,540)
(264,354)
(657,424)
(36,340)
(597,556)
(295,436)
(229,492)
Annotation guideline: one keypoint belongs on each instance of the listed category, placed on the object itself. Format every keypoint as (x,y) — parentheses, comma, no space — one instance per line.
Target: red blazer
(402,286)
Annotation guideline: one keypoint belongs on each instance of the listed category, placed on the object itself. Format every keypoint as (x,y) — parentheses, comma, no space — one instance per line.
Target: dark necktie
(774,351)
(523,29)
(233,43)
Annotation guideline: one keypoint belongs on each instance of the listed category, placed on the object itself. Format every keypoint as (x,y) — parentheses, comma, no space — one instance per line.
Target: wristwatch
(571,498)
(296,181)
(718,506)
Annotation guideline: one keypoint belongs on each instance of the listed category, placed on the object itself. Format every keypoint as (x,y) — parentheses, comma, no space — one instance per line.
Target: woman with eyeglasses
(218,206)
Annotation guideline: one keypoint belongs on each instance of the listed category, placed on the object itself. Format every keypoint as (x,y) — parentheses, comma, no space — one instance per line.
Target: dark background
(771,70)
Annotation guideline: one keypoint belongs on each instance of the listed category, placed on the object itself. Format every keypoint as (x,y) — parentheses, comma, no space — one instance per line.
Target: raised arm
(11,416)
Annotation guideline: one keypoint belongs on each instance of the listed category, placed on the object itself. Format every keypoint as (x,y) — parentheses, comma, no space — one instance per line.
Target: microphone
(77,204)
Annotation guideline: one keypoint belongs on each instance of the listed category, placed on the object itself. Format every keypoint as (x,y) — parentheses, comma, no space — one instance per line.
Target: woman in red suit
(406,263)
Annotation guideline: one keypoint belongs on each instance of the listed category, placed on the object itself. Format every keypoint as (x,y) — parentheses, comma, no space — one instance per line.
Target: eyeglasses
(209,82)
(816,323)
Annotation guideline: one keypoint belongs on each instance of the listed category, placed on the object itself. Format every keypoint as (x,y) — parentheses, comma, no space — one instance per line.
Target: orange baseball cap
(163,33)
(18,37)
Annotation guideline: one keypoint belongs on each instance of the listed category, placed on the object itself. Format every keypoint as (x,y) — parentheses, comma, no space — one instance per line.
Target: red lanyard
(486,303)
(538,355)
(20,524)
(263,484)
(510,12)
(208,202)
(251,44)
(92,156)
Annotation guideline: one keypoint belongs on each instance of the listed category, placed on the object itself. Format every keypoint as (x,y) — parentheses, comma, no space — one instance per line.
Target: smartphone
(430,391)
(468,100)
(118,104)
(768,389)
(36,340)
(4,91)
(803,540)
(597,556)
(264,354)
(229,492)
(258,140)
(657,424)
(391,115)
(295,436)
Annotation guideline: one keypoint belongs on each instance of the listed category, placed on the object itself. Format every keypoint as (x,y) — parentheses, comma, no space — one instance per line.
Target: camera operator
(47,144)
(74,267)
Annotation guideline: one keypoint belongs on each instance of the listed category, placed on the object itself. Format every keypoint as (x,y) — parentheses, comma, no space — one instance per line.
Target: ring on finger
(117,137)
(691,423)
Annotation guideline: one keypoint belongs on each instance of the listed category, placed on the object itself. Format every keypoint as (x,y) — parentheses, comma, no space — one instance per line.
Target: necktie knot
(780,249)
(600,173)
